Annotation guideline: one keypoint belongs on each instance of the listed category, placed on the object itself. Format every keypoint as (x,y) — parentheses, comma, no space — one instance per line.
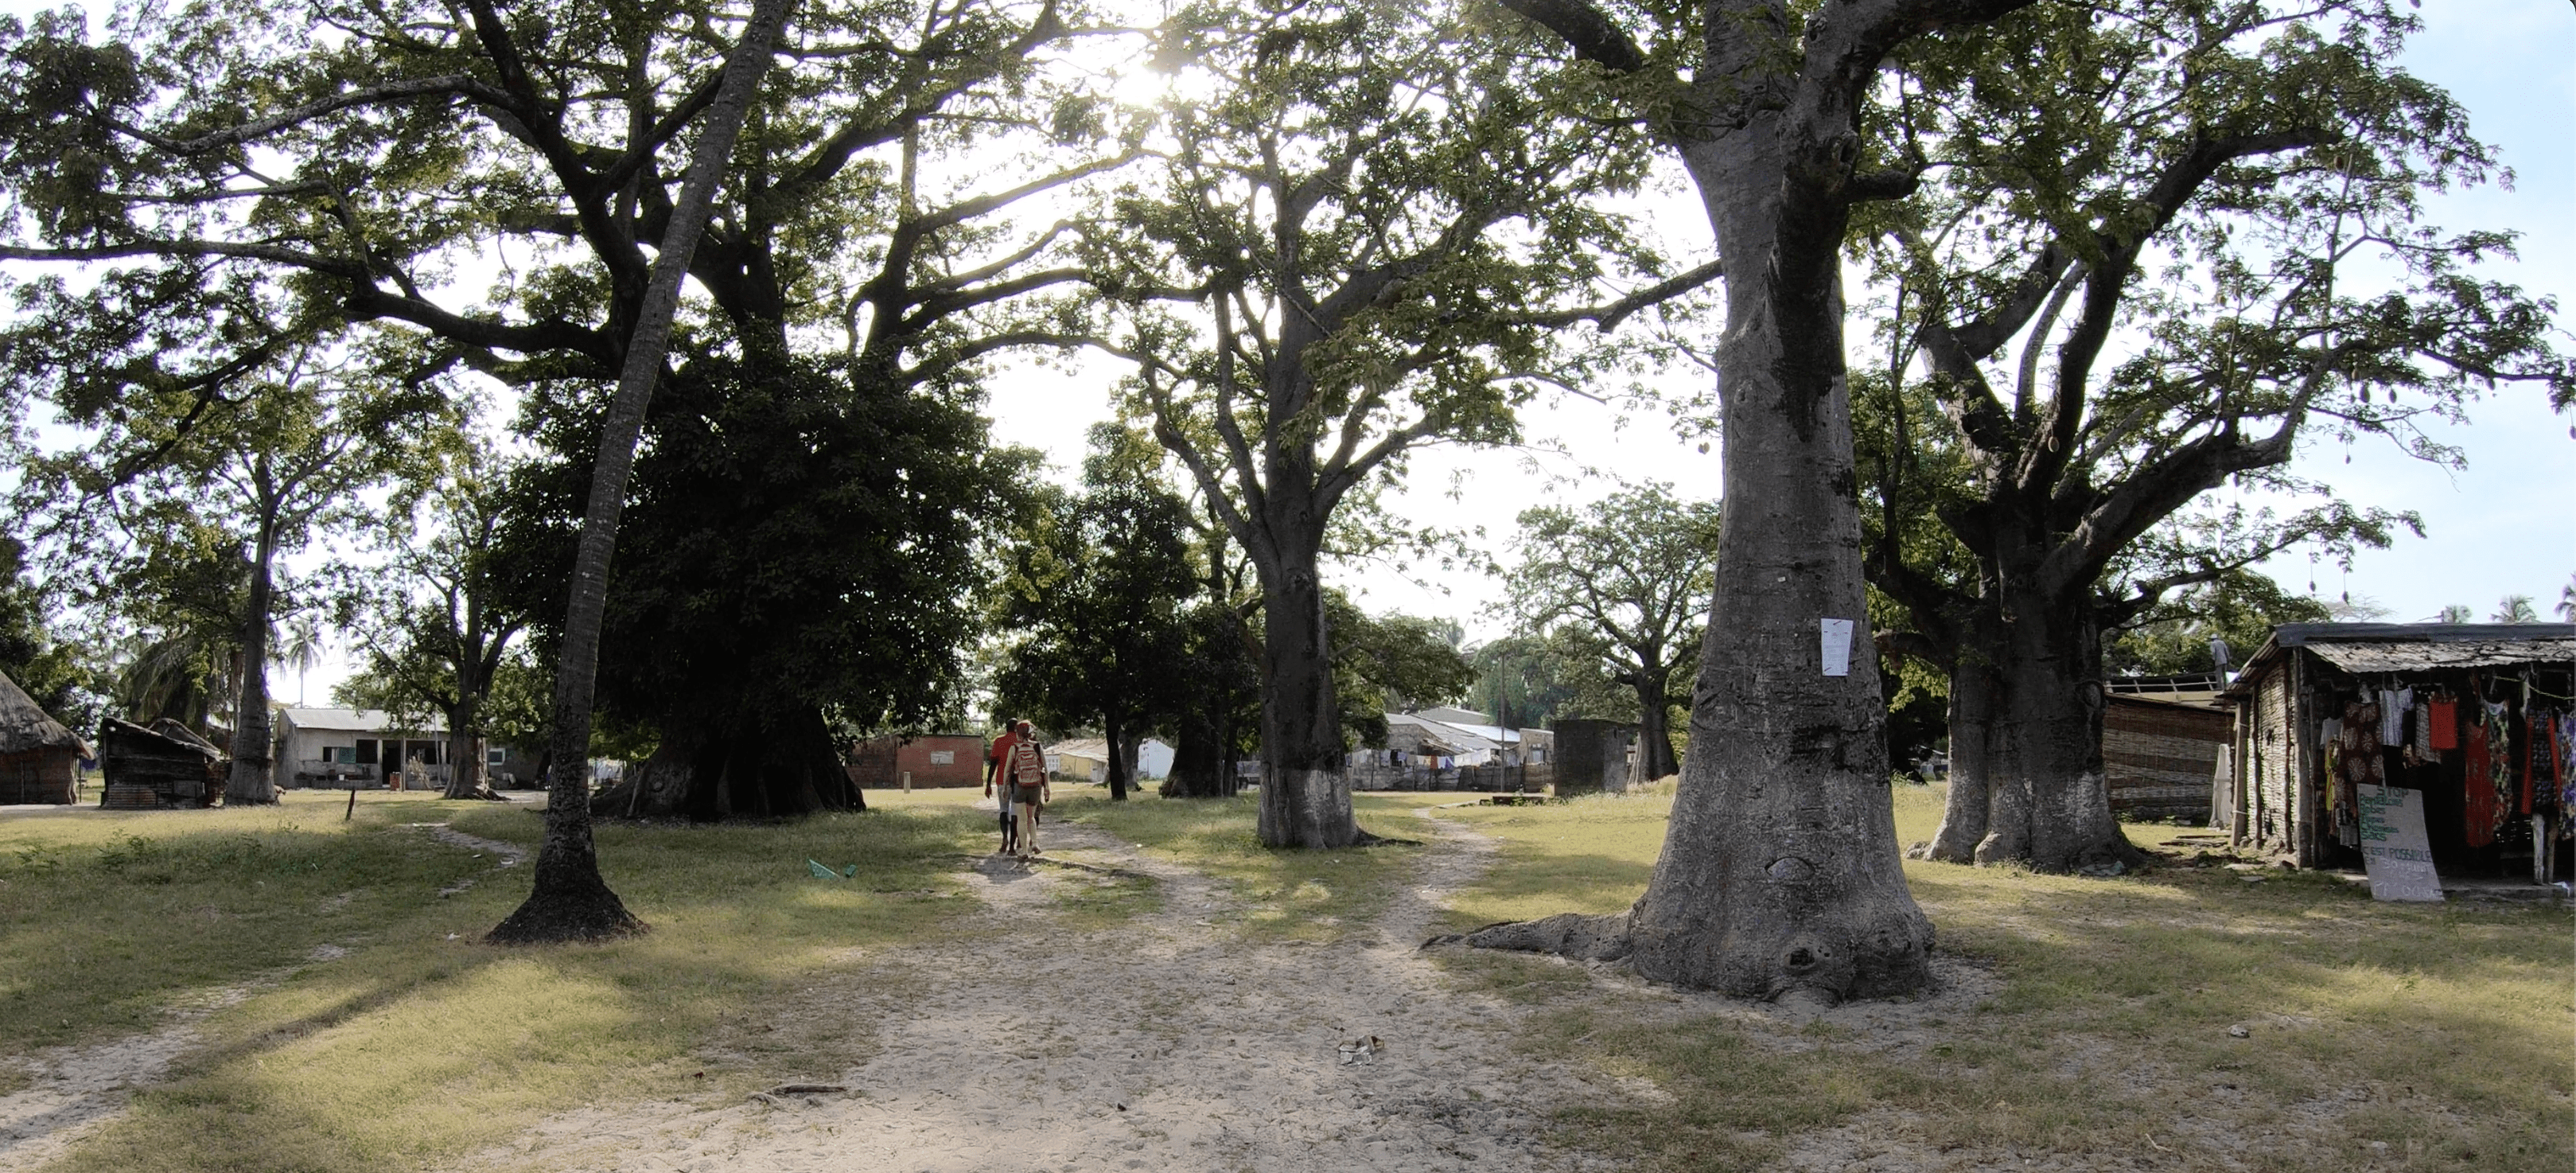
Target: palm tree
(2456,613)
(180,676)
(2514,609)
(2567,601)
(301,649)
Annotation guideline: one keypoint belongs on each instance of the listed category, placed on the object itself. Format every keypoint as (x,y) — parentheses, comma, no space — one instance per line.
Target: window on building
(496,757)
(366,751)
(342,755)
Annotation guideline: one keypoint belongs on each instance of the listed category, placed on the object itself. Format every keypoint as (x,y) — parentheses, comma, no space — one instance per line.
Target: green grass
(2109,1026)
(2106,1030)
(423,1043)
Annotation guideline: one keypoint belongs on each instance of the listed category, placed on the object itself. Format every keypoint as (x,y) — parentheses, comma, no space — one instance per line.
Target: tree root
(567,918)
(1367,839)
(1567,934)
(2113,858)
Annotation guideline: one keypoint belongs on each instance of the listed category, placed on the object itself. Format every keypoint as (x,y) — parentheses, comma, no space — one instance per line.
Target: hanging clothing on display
(2393,703)
(2540,773)
(2330,744)
(2500,764)
(2566,770)
(2476,794)
(2443,715)
(2419,743)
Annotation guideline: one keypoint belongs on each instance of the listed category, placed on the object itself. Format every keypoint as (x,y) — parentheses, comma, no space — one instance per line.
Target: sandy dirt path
(1168,1043)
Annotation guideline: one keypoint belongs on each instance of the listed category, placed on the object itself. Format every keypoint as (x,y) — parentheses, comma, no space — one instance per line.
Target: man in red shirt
(996,770)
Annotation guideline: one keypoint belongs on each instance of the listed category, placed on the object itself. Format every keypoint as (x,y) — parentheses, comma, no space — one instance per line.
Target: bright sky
(2505,525)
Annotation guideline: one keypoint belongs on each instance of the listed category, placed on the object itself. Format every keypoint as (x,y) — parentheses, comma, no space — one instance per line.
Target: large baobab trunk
(1781,871)
(251,779)
(1655,757)
(1305,795)
(2026,771)
(1780,874)
(1199,765)
(464,757)
(568,900)
(1122,771)
(767,766)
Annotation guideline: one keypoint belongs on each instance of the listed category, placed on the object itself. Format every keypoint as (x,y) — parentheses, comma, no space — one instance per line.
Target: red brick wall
(874,769)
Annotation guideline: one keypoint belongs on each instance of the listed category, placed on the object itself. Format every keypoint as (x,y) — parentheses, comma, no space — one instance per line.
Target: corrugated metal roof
(2292,635)
(2411,657)
(2412,647)
(357,720)
(1093,748)
(2205,700)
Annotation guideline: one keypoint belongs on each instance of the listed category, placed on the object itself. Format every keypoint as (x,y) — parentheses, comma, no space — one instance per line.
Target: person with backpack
(1026,767)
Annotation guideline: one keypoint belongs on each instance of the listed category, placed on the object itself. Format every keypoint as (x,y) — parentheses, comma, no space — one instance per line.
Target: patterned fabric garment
(2330,743)
(2540,763)
(2566,772)
(2476,794)
(2422,751)
(2500,769)
(2567,768)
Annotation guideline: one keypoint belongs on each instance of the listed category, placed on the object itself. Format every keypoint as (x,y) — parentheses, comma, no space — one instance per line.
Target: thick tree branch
(459,85)
(1586,29)
(1608,316)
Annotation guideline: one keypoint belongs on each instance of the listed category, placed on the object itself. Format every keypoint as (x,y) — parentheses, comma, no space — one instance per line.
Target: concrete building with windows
(338,748)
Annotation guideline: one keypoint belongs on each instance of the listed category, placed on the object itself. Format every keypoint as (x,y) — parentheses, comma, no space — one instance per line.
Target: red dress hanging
(2478,789)
(2444,718)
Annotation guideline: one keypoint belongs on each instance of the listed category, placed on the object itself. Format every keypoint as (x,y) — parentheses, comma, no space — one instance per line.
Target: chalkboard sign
(2394,848)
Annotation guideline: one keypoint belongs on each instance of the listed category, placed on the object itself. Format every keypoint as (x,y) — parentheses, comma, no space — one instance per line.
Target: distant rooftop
(358,721)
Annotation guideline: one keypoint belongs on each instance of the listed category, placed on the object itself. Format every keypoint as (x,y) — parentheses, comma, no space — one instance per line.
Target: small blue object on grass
(824,873)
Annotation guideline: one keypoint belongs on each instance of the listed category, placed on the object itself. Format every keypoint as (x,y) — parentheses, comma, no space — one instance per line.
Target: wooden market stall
(2475,717)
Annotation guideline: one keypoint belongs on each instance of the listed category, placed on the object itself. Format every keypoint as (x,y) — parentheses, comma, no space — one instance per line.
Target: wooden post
(352,812)
(907,781)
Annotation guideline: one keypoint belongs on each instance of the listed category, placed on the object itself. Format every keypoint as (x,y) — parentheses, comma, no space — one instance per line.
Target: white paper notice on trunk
(1838,637)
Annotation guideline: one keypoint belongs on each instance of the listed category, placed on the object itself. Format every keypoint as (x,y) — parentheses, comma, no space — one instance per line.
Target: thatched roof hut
(39,758)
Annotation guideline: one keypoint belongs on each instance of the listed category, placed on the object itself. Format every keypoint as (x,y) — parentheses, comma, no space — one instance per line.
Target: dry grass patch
(420,1043)
(2091,1031)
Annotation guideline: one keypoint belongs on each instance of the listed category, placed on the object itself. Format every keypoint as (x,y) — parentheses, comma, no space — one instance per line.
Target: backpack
(1028,766)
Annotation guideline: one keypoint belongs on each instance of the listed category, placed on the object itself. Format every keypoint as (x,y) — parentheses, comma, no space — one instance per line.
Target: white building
(1089,758)
(336,747)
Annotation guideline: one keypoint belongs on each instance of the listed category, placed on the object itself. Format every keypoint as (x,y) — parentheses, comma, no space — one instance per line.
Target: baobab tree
(2235,191)
(186,152)
(1381,230)
(1780,873)
(1630,575)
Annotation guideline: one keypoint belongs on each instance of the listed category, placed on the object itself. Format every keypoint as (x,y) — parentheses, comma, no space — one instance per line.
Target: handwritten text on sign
(2394,848)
